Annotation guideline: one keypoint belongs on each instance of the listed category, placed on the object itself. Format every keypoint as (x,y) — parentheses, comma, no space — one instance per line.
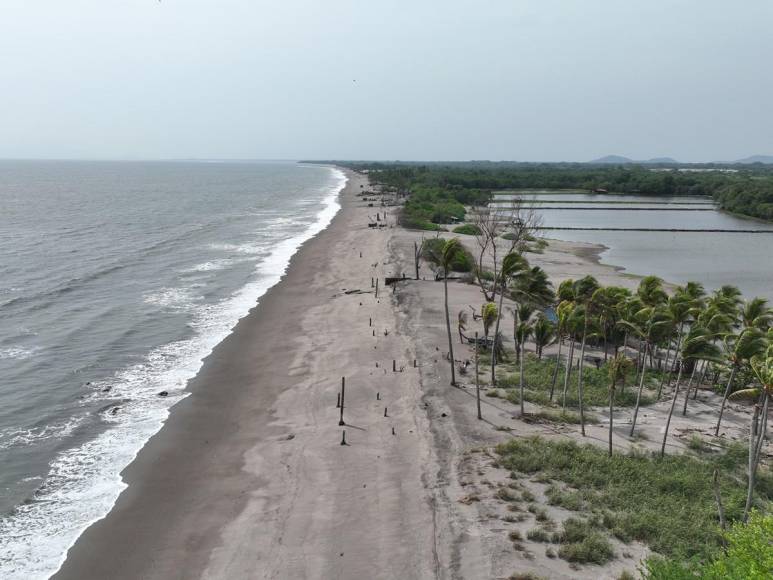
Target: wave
(84,482)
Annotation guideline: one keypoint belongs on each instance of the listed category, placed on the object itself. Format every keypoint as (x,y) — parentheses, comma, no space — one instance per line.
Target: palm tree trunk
(555,370)
(611,403)
(700,380)
(676,351)
(724,399)
(496,334)
(477,378)
(520,373)
(687,390)
(579,378)
(448,328)
(638,396)
(755,438)
(666,368)
(568,372)
(671,411)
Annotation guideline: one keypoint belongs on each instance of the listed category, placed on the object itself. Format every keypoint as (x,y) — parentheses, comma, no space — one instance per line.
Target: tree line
(440,190)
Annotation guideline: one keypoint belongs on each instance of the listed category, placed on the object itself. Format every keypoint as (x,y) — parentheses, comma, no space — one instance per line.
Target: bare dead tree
(502,228)
(417,249)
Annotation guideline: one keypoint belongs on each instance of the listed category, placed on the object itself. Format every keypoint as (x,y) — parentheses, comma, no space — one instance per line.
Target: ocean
(116,280)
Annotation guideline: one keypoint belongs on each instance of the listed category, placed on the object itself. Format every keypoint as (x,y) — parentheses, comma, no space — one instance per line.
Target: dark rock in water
(107,389)
(163,394)
(289,437)
(114,410)
(443,415)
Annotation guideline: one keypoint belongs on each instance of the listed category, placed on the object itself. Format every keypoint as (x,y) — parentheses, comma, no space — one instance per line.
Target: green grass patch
(538,376)
(668,504)
(467,230)
(583,543)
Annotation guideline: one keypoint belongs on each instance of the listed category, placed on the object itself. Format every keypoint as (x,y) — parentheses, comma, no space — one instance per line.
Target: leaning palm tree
(585,289)
(617,368)
(762,367)
(697,345)
(756,313)
(488,315)
(717,322)
(563,311)
(513,265)
(740,349)
(544,334)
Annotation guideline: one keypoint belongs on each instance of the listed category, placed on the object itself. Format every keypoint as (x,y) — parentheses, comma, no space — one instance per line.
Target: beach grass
(666,503)
(538,377)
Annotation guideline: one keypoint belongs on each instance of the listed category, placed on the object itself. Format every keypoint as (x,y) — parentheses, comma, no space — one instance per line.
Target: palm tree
(740,349)
(523,329)
(697,345)
(488,314)
(643,325)
(563,311)
(585,289)
(513,265)
(442,258)
(544,334)
(574,328)
(680,309)
(617,368)
(755,312)
(716,322)
(762,367)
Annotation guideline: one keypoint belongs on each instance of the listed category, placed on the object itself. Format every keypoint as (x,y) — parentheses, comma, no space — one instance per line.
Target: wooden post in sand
(477,379)
(338,401)
(376,287)
(343,437)
(341,420)
(370,321)
(394,366)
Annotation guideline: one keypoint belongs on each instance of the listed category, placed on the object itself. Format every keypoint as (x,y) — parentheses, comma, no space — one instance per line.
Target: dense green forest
(440,190)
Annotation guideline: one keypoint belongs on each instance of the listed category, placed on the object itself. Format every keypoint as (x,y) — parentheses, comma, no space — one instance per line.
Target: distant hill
(767,159)
(611,160)
(620,160)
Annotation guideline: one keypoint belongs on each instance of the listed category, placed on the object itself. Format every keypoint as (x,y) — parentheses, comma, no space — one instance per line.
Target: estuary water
(116,280)
(712,258)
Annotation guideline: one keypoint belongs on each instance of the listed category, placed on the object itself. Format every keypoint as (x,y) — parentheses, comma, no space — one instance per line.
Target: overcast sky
(403,79)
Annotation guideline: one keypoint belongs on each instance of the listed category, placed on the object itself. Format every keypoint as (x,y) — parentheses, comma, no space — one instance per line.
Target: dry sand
(248,478)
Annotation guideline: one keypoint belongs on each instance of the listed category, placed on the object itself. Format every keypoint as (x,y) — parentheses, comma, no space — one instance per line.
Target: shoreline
(248,478)
(132,475)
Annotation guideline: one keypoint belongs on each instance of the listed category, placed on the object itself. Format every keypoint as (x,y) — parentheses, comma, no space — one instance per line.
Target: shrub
(467,229)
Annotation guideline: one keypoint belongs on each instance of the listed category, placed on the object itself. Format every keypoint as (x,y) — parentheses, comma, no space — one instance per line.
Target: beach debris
(343,392)
(163,394)
(289,437)
(386,332)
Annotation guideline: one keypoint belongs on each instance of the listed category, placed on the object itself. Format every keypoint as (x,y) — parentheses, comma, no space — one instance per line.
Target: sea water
(116,280)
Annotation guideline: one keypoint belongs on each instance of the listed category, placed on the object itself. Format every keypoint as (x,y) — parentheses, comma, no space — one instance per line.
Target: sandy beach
(248,478)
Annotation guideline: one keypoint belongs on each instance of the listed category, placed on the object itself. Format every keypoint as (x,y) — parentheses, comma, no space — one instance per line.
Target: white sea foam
(18,352)
(84,482)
